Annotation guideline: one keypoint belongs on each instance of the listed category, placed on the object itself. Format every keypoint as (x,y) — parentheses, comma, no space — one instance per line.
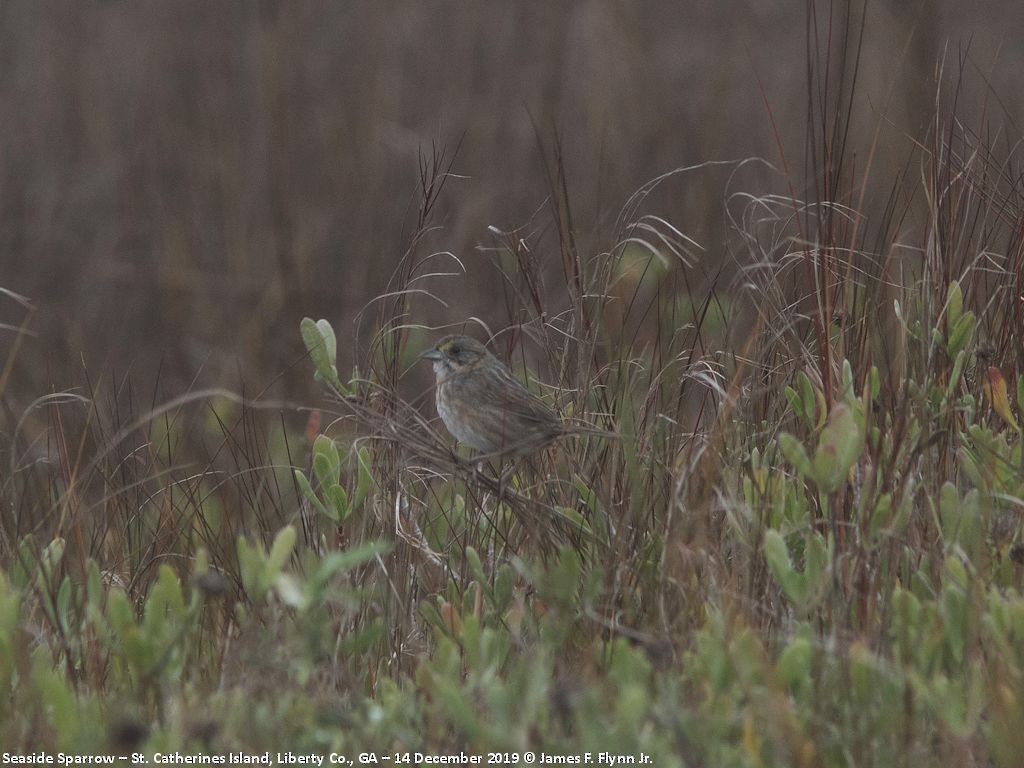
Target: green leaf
(316,345)
(793,451)
(863,672)
(326,461)
(956,572)
(307,490)
(809,398)
(475,566)
(848,391)
(340,562)
(10,600)
(563,581)
(460,709)
(954,304)
(777,555)
(56,696)
(504,587)
(882,514)
(330,340)
(586,492)
(794,664)
(93,585)
(796,405)
(971,532)
(840,446)
(290,590)
(954,380)
(961,521)
(281,550)
(64,597)
(321,344)
(359,642)
(906,622)
(165,604)
(575,519)
(119,611)
(433,616)
(50,557)
(339,503)
(949,512)
(961,334)
(364,479)
(322,471)
(955,620)
(817,559)
(469,639)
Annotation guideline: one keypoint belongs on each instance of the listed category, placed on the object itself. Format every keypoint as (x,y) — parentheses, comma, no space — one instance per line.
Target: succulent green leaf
(281,550)
(326,461)
(330,340)
(290,590)
(93,585)
(794,664)
(64,604)
(818,559)
(364,477)
(307,490)
(563,580)
(777,555)
(56,696)
(863,672)
(949,511)
(341,562)
(955,619)
(954,304)
(796,404)
(322,346)
(575,519)
(848,391)
(958,371)
(316,345)
(50,557)
(961,334)
(338,508)
(809,398)
(119,612)
(841,444)
(504,587)
(475,566)
(793,451)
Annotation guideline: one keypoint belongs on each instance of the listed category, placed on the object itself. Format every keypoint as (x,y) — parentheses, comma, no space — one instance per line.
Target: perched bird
(484,406)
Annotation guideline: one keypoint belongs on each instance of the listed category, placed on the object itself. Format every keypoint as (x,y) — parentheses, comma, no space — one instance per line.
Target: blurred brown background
(182,181)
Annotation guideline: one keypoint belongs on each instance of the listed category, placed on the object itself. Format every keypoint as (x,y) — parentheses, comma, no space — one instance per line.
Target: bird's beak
(431,354)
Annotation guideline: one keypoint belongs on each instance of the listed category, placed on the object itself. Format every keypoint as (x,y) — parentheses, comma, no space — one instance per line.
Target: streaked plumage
(483,405)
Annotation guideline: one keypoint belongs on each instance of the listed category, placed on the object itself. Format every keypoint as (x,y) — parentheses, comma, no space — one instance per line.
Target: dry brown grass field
(771,254)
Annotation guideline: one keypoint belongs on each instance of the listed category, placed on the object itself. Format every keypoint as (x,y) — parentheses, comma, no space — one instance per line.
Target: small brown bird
(484,406)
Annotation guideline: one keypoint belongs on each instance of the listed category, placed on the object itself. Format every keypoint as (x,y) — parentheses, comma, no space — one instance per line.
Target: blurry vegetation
(805,549)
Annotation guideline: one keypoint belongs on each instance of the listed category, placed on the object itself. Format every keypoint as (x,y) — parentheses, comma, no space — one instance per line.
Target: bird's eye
(454,350)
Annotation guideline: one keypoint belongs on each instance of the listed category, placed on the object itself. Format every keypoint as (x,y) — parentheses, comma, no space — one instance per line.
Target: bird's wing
(511,396)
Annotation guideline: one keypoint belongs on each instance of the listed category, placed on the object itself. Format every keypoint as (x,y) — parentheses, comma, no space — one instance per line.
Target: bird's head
(455,353)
